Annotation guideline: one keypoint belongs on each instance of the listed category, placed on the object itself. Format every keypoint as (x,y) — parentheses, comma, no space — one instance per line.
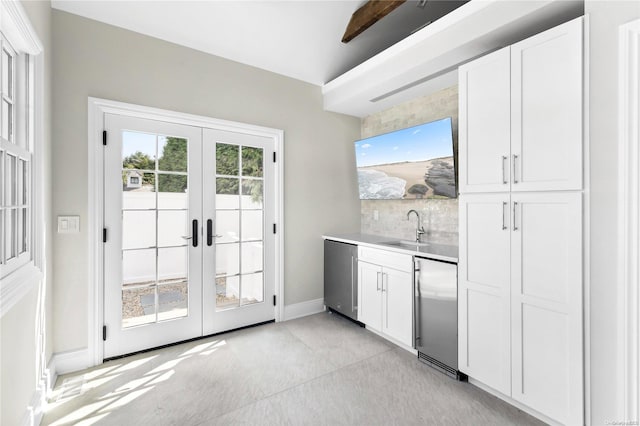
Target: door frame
(97,108)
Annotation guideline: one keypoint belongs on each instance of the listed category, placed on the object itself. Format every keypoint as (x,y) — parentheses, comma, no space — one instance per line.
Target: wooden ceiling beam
(367,15)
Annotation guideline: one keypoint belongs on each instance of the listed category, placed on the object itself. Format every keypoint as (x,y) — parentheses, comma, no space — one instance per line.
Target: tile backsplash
(438,216)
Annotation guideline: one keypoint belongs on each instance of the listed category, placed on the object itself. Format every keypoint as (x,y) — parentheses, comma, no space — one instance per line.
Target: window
(16,158)
(135,180)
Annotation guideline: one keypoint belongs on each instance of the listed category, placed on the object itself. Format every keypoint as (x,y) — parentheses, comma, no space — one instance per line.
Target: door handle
(504,214)
(383,275)
(209,232)
(504,174)
(515,176)
(194,232)
(378,281)
(353,290)
(515,206)
(416,305)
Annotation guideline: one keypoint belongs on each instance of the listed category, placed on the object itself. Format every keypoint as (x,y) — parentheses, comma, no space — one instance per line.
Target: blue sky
(423,142)
(143,142)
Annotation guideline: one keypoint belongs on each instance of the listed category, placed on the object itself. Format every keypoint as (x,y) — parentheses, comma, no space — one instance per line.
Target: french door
(186,253)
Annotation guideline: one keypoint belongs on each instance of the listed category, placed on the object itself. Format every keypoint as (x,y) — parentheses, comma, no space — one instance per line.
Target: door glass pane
(172,191)
(138,229)
(227,259)
(172,228)
(172,300)
(239,200)
(228,226)
(251,161)
(227,292)
(251,257)
(173,154)
(139,267)
(138,306)
(252,194)
(139,151)
(138,190)
(154,224)
(227,160)
(251,289)
(251,225)
(227,193)
(172,264)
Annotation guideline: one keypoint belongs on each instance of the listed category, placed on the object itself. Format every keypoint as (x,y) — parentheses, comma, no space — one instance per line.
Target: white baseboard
(513,402)
(70,361)
(302,309)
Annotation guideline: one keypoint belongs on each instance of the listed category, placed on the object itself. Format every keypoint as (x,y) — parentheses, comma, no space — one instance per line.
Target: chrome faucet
(419,228)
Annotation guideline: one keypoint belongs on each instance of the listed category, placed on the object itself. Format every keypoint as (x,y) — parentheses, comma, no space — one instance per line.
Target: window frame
(23,272)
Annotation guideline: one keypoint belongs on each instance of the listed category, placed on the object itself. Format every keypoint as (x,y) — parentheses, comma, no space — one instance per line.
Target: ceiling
(298,39)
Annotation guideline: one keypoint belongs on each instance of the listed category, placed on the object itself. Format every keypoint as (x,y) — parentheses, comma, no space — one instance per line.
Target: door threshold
(185,341)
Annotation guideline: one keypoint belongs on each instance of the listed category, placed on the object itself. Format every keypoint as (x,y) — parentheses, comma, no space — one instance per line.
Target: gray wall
(94,59)
(24,323)
(606,375)
(439,217)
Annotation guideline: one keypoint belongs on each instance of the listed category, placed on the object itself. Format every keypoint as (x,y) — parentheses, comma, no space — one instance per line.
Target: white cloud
(415,132)
(366,145)
(395,148)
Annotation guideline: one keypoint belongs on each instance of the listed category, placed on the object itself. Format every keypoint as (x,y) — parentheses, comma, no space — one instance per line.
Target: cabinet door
(546,96)
(370,295)
(484,341)
(546,296)
(397,305)
(485,123)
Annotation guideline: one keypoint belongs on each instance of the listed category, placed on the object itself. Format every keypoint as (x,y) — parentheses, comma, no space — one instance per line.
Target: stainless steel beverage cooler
(436,314)
(341,278)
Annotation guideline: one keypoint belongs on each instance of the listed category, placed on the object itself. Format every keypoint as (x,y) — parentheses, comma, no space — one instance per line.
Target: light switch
(68,224)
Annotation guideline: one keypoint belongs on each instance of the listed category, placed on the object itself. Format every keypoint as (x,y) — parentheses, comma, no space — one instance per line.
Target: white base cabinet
(520,289)
(385,281)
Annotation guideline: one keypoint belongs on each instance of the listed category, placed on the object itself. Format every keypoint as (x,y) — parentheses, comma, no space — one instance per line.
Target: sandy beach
(413,173)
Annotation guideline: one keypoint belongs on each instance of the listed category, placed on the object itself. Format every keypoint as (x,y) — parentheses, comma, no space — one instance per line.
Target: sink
(404,243)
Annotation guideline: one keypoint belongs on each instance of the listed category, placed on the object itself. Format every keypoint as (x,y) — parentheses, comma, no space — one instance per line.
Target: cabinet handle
(194,232)
(504,174)
(416,306)
(378,281)
(386,316)
(515,176)
(504,215)
(383,275)
(515,206)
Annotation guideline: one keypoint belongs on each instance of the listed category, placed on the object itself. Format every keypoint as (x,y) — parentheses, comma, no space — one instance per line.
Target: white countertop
(445,252)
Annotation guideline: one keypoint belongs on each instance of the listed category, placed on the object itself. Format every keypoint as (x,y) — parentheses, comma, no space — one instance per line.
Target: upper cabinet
(520,123)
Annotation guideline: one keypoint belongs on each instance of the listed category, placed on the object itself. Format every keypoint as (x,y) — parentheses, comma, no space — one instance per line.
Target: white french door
(185,212)
(239,254)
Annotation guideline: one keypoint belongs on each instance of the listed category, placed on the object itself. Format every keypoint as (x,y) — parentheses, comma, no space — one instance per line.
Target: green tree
(173,159)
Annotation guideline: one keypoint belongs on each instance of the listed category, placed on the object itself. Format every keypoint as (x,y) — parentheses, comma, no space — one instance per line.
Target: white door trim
(97,108)
(629,213)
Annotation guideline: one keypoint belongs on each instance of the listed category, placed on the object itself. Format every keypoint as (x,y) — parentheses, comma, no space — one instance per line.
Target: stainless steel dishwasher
(436,314)
(341,278)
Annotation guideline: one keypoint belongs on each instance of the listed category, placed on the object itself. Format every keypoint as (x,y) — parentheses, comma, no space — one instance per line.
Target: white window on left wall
(22,138)
(16,158)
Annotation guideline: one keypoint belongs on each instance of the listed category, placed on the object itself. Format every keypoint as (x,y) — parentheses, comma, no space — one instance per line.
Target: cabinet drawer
(402,262)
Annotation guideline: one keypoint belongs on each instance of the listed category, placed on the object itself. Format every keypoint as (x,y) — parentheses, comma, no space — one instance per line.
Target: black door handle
(194,232)
(209,232)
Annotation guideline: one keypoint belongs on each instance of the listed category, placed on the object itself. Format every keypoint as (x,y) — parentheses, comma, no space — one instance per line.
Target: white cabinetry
(520,262)
(520,124)
(385,292)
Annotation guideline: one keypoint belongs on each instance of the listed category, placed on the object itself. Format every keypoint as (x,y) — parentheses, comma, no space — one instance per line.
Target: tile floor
(321,369)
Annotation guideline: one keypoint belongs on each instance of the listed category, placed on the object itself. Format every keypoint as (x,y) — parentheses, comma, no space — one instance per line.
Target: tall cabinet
(521,209)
